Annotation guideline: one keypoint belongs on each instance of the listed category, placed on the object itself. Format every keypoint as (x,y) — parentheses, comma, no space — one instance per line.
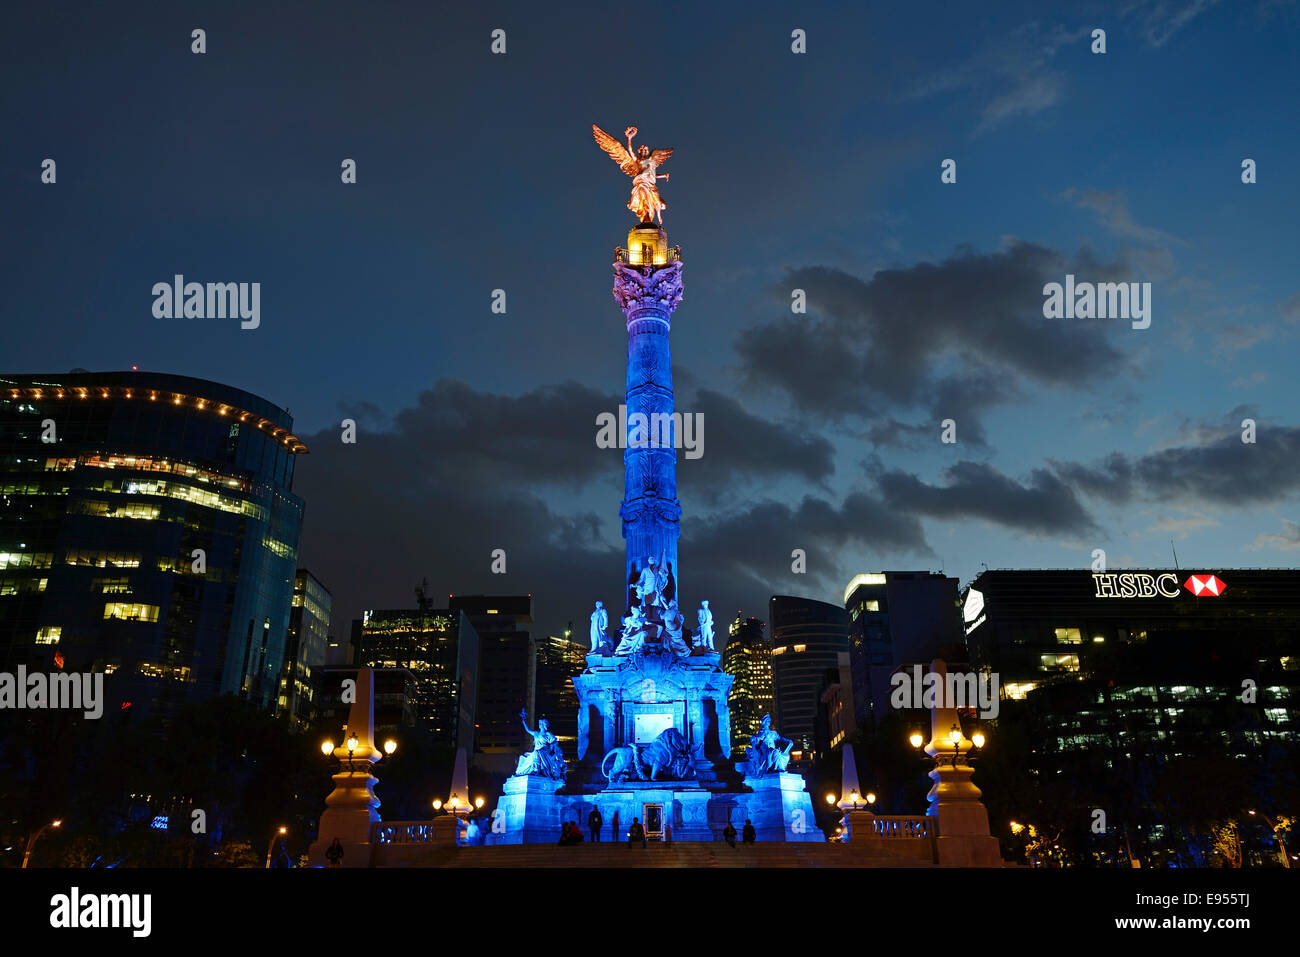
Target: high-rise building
(897,619)
(304,654)
(558,661)
(440,647)
(507,668)
(396,692)
(807,638)
(836,722)
(1149,662)
(148,530)
(748,658)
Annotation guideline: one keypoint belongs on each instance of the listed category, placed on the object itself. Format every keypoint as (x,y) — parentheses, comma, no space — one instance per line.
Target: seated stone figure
(546,759)
(768,751)
(673,622)
(634,633)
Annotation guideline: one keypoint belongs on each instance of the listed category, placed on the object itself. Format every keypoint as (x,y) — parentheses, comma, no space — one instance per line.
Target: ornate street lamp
(31,841)
(280,832)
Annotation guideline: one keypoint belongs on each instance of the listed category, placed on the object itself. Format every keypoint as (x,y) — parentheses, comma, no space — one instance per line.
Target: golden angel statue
(645,201)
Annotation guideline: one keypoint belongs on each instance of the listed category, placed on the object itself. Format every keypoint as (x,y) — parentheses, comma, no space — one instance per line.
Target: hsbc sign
(1146,585)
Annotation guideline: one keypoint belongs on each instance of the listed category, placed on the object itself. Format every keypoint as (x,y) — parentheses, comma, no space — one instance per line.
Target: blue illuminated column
(648,287)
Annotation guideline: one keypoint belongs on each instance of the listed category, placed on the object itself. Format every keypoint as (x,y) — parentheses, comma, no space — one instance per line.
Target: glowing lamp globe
(916,739)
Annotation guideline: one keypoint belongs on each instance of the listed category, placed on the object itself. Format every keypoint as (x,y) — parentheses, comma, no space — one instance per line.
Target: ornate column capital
(648,288)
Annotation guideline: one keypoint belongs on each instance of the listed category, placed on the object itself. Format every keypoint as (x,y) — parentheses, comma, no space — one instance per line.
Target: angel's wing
(616,150)
(659,157)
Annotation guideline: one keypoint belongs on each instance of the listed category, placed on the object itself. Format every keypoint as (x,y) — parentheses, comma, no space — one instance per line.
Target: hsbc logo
(1204,585)
(1146,585)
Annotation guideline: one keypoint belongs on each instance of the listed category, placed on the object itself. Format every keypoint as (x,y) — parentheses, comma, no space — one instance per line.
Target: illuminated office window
(1059,663)
(128,611)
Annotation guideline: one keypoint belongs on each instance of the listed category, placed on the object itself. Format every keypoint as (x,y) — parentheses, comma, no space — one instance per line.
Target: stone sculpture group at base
(655,620)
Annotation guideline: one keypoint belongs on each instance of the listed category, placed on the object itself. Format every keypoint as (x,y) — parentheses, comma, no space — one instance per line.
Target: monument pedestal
(780,808)
(529,811)
(964,839)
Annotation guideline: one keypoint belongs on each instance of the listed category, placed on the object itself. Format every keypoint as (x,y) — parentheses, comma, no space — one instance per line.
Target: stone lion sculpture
(668,757)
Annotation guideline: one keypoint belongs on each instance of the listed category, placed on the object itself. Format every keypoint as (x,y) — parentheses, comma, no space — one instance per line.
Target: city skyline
(818,171)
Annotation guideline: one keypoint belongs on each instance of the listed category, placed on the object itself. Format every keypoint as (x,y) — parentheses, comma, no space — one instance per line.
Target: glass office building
(304,655)
(807,638)
(148,529)
(748,657)
(1159,655)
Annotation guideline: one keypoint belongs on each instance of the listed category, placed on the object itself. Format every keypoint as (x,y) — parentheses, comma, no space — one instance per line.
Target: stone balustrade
(402,832)
(902,826)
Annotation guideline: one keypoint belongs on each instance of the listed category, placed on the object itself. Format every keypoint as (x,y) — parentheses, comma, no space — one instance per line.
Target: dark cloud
(741,447)
(881,345)
(1044,505)
(748,552)
(462,472)
(1225,471)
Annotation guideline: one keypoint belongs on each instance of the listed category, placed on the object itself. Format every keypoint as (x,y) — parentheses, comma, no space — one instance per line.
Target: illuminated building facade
(396,692)
(835,713)
(807,638)
(305,651)
(558,661)
(148,529)
(440,648)
(748,658)
(1097,661)
(898,619)
(507,667)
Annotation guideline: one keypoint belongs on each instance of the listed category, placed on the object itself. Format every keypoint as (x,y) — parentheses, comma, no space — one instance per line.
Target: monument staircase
(678,854)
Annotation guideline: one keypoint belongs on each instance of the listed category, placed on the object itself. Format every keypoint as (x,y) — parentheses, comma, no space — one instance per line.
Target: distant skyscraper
(748,658)
(148,530)
(507,676)
(304,653)
(558,660)
(396,691)
(895,619)
(835,713)
(440,647)
(807,638)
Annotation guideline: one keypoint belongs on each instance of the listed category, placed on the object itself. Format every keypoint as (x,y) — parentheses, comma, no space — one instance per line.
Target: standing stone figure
(705,619)
(650,586)
(599,625)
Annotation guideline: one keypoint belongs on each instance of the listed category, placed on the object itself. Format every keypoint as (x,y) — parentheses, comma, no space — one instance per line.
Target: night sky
(818,171)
